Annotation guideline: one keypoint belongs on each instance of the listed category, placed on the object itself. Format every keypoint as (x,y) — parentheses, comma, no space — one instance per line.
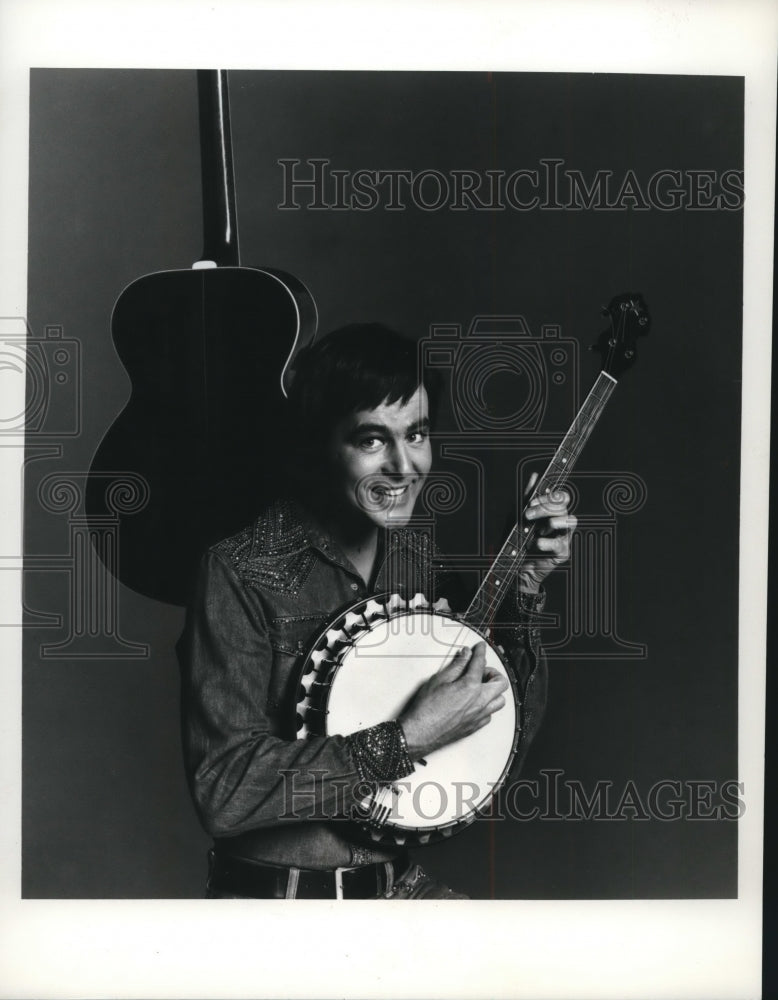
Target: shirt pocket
(291,636)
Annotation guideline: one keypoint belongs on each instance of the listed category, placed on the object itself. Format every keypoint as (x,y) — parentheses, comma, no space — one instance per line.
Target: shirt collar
(288,527)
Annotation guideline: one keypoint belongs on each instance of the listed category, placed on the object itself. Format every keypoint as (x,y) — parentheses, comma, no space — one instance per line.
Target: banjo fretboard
(618,349)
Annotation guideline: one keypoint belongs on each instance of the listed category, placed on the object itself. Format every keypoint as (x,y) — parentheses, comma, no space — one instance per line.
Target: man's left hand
(554,527)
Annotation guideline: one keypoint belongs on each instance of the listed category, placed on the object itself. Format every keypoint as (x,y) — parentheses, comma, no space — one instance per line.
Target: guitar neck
(220,226)
(488,597)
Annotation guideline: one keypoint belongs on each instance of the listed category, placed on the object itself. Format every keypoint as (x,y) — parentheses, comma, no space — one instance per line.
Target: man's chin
(392,516)
(385,511)
(397,519)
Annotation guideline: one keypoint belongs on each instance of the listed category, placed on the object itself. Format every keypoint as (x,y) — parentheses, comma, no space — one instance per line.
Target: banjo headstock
(617,345)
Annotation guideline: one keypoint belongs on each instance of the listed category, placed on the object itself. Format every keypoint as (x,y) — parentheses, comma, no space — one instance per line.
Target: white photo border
(192,948)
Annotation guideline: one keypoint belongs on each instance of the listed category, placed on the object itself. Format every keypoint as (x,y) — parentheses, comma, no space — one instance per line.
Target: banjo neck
(482,609)
(628,317)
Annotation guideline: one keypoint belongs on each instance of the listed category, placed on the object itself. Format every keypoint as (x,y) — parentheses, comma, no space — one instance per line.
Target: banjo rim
(312,719)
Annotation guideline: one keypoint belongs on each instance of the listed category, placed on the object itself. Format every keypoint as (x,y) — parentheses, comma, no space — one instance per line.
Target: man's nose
(400,462)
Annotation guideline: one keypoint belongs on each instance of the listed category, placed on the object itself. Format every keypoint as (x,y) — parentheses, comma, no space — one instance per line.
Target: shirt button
(355,586)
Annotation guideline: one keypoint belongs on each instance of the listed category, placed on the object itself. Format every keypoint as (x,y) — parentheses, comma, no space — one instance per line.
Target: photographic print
(382,491)
(498,253)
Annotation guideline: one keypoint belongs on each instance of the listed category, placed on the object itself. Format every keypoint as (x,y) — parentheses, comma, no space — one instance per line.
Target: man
(359,443)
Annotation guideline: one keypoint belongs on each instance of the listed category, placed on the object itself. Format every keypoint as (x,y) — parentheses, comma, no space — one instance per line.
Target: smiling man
(279,807)
(377,460)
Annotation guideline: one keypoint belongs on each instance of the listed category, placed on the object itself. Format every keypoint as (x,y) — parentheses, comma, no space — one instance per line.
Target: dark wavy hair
(356,367)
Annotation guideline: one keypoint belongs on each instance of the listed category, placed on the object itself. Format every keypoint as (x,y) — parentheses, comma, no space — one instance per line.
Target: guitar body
(208,353)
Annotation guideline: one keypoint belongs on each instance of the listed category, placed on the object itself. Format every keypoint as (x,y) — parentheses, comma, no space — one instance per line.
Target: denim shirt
(262,596)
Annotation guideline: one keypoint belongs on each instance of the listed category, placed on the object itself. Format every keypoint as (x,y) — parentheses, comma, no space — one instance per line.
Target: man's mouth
(389,491)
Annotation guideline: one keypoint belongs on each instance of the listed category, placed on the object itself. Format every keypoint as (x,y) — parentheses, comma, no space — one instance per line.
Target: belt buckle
(338,883)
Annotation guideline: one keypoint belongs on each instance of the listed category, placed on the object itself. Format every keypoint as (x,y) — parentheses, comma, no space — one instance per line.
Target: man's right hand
(453,703)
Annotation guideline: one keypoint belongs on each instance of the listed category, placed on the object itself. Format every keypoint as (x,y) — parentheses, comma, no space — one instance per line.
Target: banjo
(365,666)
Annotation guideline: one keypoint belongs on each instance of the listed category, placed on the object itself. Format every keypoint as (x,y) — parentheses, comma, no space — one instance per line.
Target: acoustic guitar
(208,351)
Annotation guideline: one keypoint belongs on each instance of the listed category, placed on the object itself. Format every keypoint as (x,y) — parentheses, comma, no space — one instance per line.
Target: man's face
(378,459)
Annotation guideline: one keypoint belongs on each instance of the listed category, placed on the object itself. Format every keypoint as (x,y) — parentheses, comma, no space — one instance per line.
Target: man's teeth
(392,491)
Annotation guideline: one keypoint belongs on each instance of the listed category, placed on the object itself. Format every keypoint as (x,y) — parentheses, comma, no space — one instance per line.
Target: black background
(114,193)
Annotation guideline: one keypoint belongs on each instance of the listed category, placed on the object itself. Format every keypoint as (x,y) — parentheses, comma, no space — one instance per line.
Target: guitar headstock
(628,320)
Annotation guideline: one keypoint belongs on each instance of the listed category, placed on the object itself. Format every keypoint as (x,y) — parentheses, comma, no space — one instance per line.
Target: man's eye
(417,437)
(370,443)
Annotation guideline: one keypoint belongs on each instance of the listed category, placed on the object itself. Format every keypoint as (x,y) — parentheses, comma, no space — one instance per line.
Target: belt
(241,877)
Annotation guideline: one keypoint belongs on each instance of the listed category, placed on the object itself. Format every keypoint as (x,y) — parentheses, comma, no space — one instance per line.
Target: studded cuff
(380,753)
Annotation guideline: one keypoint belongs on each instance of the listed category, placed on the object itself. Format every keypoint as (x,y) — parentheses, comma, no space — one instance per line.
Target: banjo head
(364,670)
